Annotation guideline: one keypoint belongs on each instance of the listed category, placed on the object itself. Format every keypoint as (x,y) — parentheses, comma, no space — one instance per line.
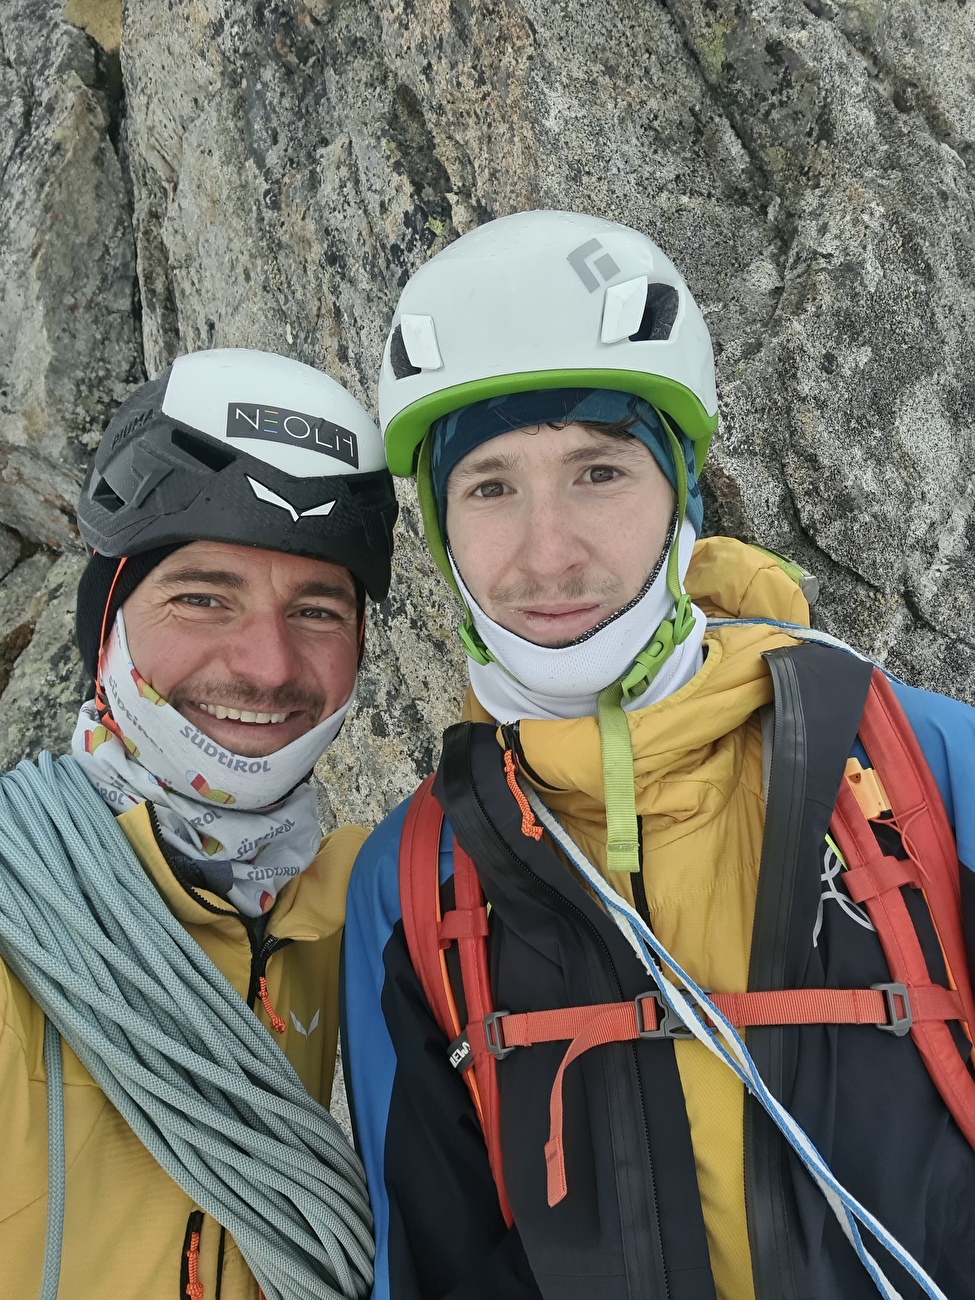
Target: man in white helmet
(238,513)
(644,883)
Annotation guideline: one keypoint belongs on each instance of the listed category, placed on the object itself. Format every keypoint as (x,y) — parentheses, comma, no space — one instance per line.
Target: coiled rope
(172,1045)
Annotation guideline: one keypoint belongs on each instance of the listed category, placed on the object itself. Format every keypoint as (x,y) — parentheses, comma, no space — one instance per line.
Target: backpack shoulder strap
(419,887)
(472,941)
(429,933)
(920,813)
(877,881)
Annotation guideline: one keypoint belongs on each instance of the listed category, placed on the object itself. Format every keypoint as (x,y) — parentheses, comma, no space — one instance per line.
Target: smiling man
(239,512)
(636,815)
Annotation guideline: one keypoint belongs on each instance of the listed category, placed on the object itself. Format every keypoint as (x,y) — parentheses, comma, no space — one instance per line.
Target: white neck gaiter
(248,825)
(545,684)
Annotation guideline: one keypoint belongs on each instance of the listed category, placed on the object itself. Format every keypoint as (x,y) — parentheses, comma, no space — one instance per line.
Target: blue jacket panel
(369,1058)
(945,729)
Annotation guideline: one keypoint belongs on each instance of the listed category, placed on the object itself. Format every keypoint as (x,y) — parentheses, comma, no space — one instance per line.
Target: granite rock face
(45,679)
(269,174)
(69,331)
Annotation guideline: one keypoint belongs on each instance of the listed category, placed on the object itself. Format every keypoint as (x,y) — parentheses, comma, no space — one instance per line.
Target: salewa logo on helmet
(265,494)
(294,429)
(581,261)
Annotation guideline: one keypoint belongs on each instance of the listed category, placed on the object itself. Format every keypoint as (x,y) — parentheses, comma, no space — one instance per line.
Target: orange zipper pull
(277,1024)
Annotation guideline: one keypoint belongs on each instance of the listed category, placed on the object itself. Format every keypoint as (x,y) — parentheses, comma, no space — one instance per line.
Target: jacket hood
(728,579)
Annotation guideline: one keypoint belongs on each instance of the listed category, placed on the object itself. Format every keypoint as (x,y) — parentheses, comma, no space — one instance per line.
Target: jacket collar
(309,907)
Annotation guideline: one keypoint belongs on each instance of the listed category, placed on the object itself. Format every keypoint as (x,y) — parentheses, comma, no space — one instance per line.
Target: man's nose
(263,650)
(552,541)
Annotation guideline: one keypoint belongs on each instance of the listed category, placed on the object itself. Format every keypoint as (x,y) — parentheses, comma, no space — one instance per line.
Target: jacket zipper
(262,947)
(189,1279)
(261,952)
(568,905)
(511,735)
(639,885)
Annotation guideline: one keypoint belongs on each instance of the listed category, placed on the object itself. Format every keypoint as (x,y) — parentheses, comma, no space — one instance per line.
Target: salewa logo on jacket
(306,1033)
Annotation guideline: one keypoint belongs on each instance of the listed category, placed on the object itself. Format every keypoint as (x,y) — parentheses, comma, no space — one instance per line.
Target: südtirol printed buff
(525,680)
(240,821)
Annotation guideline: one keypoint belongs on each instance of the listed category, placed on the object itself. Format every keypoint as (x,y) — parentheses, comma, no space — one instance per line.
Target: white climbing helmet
(544,300)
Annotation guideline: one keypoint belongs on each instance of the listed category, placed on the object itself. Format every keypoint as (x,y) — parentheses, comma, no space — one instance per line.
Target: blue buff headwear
(457,434)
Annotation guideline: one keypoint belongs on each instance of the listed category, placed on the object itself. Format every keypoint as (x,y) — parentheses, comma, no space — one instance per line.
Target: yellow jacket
(126,1219)
(698,768)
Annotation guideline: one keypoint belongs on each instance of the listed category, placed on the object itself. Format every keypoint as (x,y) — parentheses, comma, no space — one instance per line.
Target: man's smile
(238,715)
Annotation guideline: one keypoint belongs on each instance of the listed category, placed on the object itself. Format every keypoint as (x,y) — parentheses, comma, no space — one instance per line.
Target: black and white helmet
(248,447)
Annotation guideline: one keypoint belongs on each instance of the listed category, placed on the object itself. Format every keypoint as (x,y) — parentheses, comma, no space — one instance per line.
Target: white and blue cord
(733,1052)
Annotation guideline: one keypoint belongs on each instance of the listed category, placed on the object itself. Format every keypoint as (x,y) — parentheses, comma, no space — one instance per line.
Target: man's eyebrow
(330,590)
(606,447)
(228,578)
(497,464)
(204,577)
(501,464)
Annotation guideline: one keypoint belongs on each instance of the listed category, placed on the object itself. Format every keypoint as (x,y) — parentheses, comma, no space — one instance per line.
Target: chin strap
(619,778)
(470,639)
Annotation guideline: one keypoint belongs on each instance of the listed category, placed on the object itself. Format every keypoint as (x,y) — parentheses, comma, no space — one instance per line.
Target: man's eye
(602,474)
(317,611)
(199,601)
(489,490)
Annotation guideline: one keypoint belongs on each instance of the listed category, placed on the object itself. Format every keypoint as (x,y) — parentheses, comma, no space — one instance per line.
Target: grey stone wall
(194,173)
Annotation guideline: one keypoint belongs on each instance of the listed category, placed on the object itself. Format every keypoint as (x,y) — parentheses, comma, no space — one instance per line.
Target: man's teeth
(239,715)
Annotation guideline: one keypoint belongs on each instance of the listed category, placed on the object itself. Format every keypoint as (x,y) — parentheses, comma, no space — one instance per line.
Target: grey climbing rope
(55,1162)
(172,1045)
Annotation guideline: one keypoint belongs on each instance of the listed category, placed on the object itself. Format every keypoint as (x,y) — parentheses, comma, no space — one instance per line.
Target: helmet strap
(430,515)
(469,636)
(619,777)
(471,640)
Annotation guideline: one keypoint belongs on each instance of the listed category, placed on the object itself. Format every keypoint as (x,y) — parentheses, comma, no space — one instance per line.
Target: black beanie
(93,596)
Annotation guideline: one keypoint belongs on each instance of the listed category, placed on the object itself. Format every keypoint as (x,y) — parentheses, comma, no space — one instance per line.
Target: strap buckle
(494,1034)
(669,1025)
(471,640)
(898,1023)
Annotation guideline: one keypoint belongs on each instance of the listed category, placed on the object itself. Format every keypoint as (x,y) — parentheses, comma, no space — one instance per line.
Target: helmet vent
(106,496)
(399,358)
(204,452)
(659,314)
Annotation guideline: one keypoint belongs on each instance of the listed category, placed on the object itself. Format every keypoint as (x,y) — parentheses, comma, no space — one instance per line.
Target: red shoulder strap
(429,933)
(920,817)
(923,823)
(419,888)
(476,979)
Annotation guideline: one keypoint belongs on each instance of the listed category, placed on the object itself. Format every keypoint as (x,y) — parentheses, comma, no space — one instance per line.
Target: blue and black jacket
(632,1226)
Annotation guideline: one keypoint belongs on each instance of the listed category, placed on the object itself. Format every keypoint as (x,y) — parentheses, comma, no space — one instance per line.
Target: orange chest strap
(892,1007)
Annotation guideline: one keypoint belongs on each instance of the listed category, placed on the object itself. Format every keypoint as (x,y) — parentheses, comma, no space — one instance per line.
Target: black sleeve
(447,1236)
